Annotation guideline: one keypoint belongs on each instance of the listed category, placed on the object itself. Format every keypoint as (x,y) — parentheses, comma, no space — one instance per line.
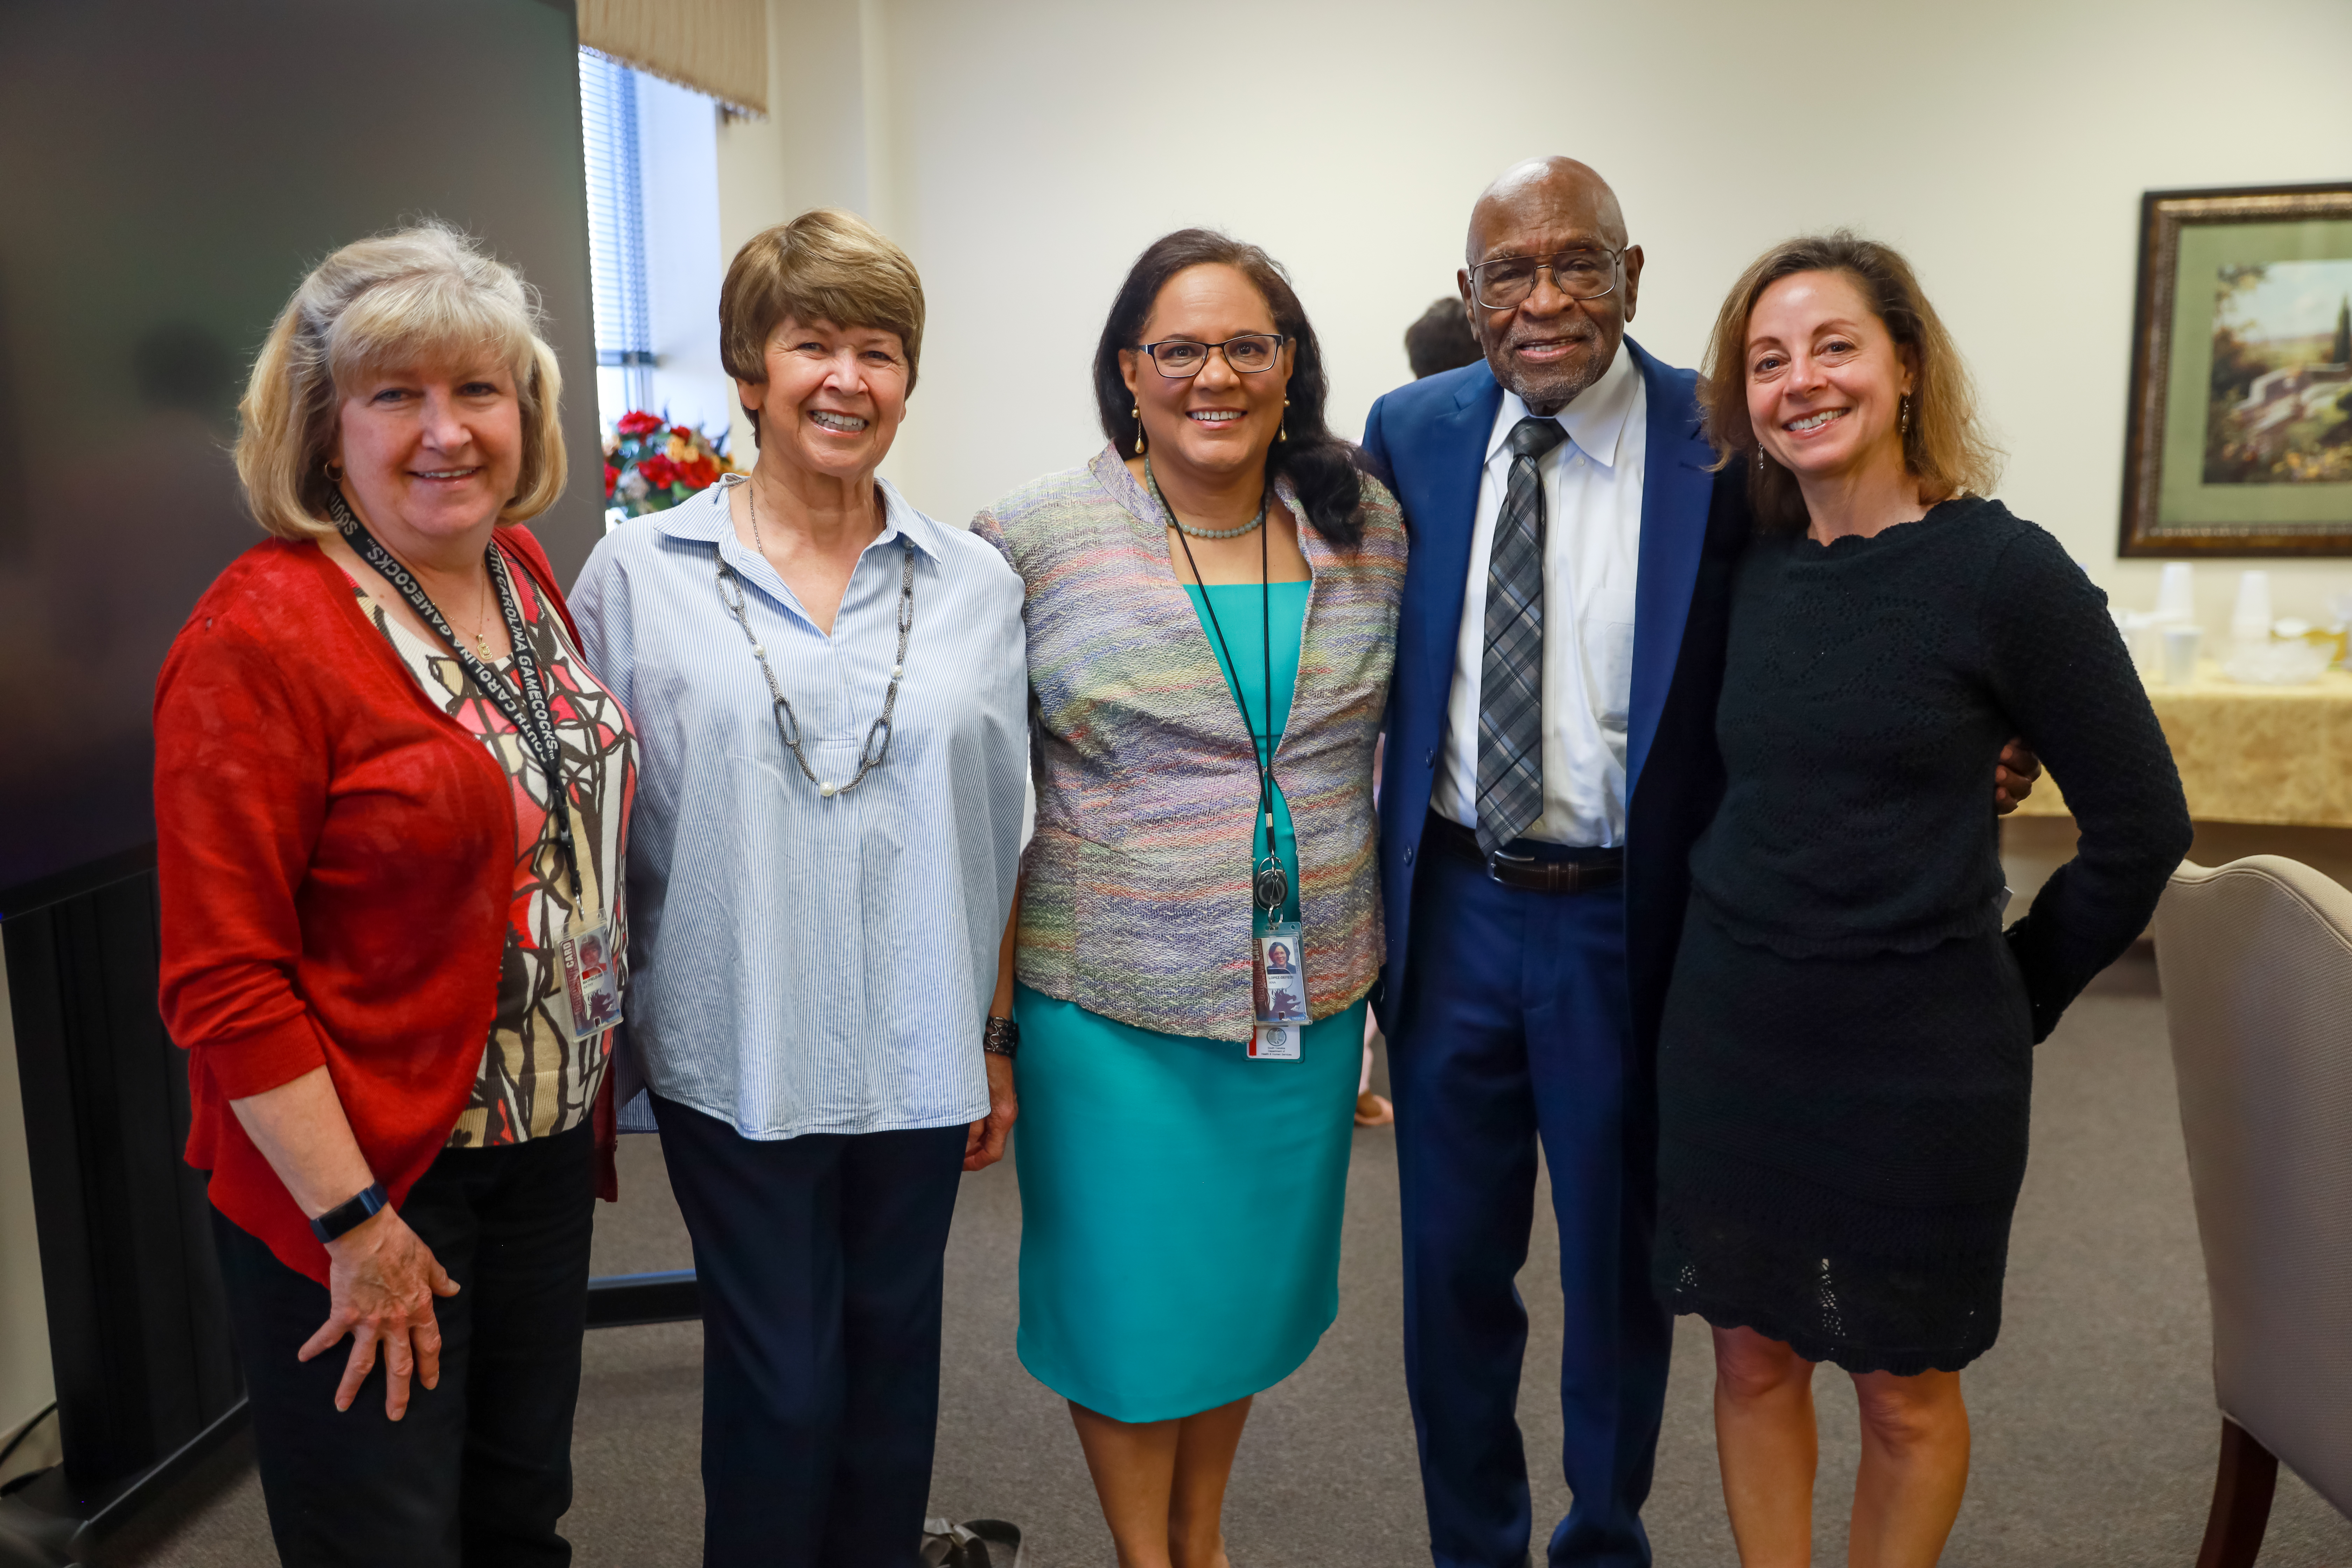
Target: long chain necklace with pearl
(1265,495)
(788,725)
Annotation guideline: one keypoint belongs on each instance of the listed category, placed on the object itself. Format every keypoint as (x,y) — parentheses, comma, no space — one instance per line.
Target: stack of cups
(2251,622)
(2176,593)
(2176,623)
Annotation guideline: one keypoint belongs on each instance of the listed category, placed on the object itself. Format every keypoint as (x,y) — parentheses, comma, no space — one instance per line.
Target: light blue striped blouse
(802,963)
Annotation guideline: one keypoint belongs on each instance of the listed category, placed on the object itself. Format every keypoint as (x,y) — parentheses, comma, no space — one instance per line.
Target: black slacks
(479,1470)
(821,1260)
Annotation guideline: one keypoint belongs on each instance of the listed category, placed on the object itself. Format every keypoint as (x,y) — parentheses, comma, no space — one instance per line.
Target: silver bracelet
(1001,1038)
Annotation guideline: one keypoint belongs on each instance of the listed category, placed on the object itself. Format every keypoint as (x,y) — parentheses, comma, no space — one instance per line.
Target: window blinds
(616,223)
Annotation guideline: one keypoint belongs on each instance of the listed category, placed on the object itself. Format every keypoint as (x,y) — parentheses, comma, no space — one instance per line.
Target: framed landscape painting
(2241,434)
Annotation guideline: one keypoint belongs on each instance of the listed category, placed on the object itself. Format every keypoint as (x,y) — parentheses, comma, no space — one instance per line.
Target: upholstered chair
(2256,962)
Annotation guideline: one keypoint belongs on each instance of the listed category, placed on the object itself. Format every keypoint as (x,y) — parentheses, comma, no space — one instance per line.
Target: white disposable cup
(2176,593)
(2252,620)
(2180,645)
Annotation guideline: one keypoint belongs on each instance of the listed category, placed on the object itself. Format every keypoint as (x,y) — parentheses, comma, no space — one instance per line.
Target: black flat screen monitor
(168,172)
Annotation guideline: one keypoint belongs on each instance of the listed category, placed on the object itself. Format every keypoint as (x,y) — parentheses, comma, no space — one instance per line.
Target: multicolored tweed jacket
(1136,900)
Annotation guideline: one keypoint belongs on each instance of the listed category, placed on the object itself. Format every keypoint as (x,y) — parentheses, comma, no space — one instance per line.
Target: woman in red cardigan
(391,807)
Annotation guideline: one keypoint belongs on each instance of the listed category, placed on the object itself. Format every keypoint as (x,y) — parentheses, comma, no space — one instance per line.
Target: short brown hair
(395,299)
(1945,448)
(826,265)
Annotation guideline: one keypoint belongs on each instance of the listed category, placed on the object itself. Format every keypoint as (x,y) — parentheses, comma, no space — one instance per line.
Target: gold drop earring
(1136,411)
(1279,433)
(1907,414)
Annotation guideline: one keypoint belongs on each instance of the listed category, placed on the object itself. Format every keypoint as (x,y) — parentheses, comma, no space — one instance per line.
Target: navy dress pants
(822,1260)
(1512,1029)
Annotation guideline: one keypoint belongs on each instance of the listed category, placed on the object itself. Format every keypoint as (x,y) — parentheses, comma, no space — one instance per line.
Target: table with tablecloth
(2268,755)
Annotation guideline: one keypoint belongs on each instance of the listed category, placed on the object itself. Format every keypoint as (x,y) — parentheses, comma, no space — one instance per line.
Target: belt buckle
(1494,868)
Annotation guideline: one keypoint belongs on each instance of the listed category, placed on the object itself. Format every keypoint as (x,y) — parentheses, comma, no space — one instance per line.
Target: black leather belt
(1545,868)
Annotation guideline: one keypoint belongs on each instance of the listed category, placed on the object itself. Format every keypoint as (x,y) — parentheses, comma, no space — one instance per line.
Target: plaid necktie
(1510,679)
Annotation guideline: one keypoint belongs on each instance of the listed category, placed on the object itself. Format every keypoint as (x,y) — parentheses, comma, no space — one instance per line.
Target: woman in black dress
(1847,1052)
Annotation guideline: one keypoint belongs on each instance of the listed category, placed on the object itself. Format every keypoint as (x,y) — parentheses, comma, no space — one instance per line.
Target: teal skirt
(1180,1207)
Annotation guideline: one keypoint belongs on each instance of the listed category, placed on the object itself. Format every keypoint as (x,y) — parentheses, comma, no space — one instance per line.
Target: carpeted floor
(2094,1422)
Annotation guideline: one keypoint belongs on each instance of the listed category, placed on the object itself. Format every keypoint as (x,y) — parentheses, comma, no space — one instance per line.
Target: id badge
(592,979)
(1280,985)
(592,968)
(1275,1043)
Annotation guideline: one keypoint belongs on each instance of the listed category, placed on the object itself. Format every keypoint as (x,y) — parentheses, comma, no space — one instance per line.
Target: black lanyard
(529,713)
(1271,886)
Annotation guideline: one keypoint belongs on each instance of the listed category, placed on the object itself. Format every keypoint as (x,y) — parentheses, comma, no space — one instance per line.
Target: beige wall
(1024,151)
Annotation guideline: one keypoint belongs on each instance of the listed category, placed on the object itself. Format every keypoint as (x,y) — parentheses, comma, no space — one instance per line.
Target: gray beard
(1555,393)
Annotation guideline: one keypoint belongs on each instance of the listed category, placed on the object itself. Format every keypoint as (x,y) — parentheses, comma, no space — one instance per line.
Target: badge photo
(592,979)
(1280,984)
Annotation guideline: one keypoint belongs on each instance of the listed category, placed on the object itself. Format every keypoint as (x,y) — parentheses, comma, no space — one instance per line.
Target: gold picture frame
(2239,440)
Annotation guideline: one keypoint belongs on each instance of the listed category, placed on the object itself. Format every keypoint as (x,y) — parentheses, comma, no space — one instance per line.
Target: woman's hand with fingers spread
(382,1279)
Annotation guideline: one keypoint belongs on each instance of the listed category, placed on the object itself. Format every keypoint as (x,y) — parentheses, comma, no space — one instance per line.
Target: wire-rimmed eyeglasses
(1179,358)
(1506,282)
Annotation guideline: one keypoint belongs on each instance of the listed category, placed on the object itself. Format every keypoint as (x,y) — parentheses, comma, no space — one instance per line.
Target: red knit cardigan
(336,857)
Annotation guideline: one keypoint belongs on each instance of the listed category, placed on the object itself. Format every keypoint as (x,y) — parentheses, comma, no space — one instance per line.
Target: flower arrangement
(651,465)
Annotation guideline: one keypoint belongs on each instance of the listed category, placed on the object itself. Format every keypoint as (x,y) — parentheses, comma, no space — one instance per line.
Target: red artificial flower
(658,471)
(637,423)
(700,472)
(685,430)
(612,478)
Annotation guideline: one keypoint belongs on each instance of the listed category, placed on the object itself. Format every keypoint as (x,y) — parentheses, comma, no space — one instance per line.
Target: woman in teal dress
(1211,606)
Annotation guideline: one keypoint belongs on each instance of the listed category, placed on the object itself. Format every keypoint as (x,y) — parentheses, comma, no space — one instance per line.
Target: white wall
(1024,151)
(25,1380)
(822,143)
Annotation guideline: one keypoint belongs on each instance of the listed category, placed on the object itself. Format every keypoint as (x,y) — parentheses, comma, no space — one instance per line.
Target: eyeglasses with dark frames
(1181,358)
(1506,282)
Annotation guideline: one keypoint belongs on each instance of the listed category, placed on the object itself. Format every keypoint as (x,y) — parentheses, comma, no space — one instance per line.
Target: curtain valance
(715,47)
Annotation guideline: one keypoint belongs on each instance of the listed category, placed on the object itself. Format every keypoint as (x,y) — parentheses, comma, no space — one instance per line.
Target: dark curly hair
(1325,470)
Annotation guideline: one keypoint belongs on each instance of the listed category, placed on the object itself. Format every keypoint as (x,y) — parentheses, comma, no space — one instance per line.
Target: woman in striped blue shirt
(831,688)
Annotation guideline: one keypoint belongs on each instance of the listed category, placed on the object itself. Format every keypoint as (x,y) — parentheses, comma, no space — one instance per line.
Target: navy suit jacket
(1431,438)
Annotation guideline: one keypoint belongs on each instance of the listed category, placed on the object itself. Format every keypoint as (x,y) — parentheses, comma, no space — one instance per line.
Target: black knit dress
(1846,1059)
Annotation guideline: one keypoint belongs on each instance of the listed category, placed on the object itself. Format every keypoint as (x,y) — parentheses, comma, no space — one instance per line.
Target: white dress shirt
(1592,544)
(804,963)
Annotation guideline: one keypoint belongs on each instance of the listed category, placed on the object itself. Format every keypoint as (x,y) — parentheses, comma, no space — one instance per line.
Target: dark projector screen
(168,172)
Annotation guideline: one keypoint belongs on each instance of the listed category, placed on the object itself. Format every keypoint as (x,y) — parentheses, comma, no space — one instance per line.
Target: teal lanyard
(1270,885)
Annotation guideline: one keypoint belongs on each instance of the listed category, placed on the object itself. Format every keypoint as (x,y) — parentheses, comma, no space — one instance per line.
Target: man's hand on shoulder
(2013,776)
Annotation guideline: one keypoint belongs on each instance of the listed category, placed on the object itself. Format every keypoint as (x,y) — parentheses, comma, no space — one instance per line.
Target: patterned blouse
(1135,898)
(534,1082)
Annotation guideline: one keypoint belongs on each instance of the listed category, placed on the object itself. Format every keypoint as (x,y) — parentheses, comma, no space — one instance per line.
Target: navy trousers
(822,1261)
(1512,1029)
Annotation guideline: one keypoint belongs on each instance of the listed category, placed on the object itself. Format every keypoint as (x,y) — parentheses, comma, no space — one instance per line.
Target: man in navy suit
(1550,759)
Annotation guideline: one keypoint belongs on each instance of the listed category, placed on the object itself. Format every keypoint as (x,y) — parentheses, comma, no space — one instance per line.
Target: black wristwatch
(347,1216)
(1001,1039)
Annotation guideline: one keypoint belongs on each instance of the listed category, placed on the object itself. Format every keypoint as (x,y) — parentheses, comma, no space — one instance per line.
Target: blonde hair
(392,300)
(1945,450)
(825,265)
